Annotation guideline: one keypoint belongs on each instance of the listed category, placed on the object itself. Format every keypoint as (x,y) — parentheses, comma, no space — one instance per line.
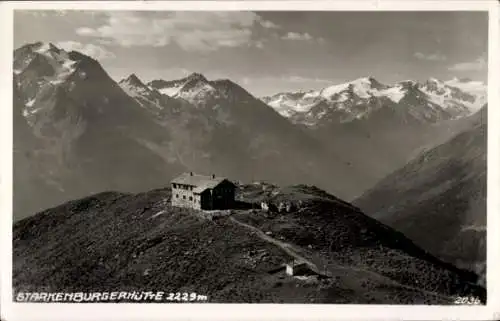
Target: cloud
(430,57)
(300,79)
(192,31)
(94,51)
(268,24)
(286,79)
(259,44)
(297,36)
(84,31)
(42,13)
(476,65)
(71,16)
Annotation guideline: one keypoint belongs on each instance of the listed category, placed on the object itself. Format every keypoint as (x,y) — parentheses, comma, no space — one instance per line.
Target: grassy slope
(114,241)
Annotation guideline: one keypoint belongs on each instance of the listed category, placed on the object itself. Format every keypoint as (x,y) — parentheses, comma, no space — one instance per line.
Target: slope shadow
(242,205)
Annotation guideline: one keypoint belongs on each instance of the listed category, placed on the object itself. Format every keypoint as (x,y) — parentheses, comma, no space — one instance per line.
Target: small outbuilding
(296,268)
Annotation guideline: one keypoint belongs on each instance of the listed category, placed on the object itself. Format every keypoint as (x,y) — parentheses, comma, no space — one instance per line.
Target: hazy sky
(269,52)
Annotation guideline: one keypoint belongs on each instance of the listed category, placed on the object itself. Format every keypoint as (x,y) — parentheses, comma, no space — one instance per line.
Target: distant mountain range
(428,102)
(356,132)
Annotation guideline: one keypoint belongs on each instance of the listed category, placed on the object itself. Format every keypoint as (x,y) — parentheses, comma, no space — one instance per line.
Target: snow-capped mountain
(195,88)
(431,101)
(50,66)
(172,87)
(134,87)
(463,95)
(199,91)
(89,132)
(151,99)
(467,85)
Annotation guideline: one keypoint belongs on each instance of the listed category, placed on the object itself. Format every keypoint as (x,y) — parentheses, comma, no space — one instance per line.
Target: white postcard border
(91,311)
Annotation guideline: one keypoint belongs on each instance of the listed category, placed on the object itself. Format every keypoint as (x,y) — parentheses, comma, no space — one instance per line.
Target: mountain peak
(133,80)
(230,89)
(196,76)
(133,86)
(370,81)
(52,47)
(44,47)
(366,79)
(434,80)
(45,59)
(407,84)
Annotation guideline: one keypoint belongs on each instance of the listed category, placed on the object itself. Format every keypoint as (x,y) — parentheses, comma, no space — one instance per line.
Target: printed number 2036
(466,300)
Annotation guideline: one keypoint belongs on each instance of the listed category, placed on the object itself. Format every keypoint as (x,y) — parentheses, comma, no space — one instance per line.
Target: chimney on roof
(190,173)
(213,176)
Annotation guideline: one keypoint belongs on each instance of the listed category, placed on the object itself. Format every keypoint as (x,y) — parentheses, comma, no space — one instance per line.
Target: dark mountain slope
(441,192)
(113,241)
(32,191)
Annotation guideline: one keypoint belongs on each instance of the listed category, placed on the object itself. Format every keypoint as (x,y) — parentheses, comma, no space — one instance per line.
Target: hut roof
(199,182)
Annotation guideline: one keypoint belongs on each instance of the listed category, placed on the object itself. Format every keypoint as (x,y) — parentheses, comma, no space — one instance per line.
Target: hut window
(190,198)
(183,197)
(177,195)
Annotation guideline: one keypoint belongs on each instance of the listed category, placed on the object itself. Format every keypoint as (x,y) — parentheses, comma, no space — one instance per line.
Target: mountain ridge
(225,258)
(443,190)
(440,98)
